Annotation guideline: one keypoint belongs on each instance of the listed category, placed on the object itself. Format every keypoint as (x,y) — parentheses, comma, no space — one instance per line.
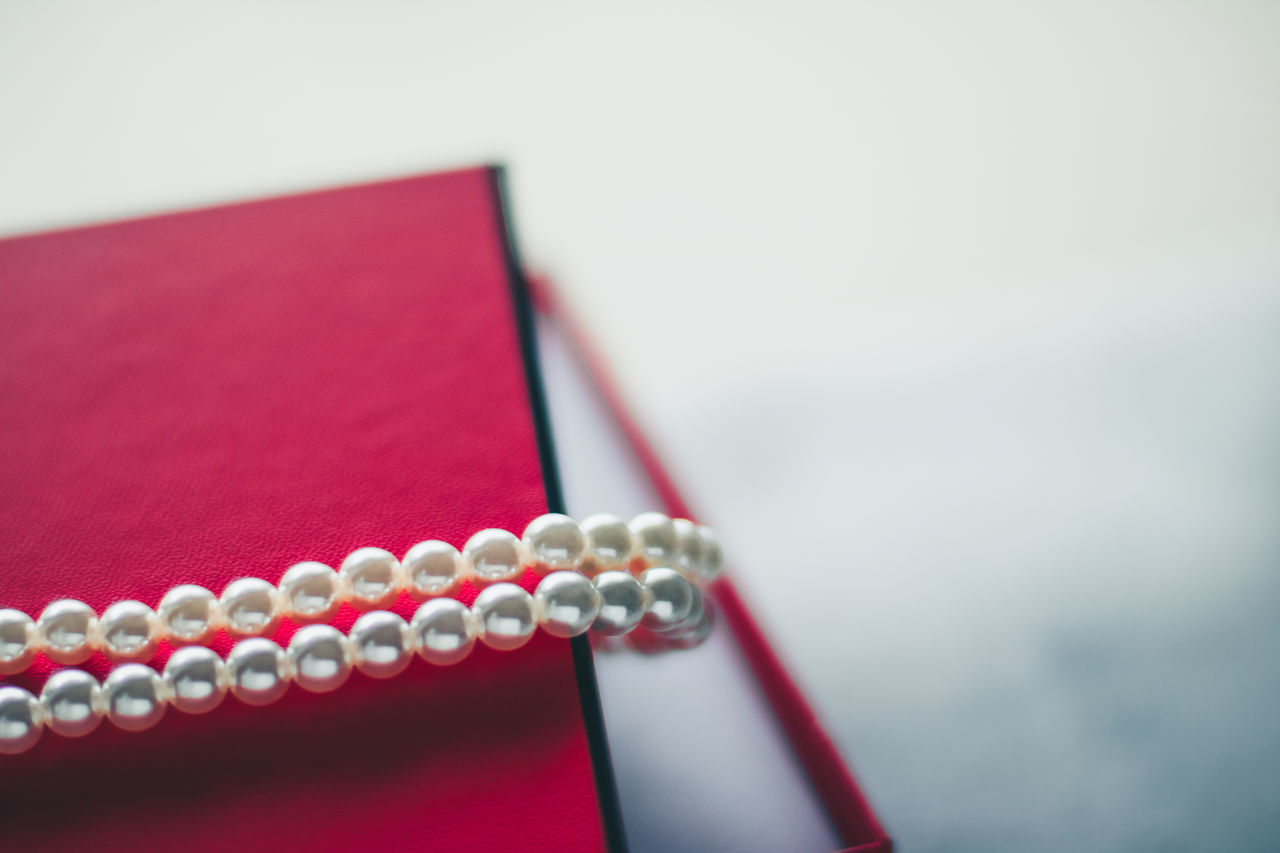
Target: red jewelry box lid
(222,393)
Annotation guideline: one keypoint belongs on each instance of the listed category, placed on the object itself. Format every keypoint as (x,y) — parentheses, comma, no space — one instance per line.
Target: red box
(225,392)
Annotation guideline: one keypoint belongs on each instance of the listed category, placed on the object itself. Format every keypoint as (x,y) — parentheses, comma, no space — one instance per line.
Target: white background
(961,321)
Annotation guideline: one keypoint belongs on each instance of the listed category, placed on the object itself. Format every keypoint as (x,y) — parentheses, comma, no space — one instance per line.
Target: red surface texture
(222,393)
(850,813)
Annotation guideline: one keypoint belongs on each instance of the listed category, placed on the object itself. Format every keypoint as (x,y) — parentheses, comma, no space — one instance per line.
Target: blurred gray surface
(959,320)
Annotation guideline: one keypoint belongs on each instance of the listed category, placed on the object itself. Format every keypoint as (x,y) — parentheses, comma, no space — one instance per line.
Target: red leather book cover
(198,397)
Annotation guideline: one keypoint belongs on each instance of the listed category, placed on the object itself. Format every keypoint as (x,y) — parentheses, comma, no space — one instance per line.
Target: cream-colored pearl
(610,545)
(250,606)
(65,631)
(21,720)
(320,657)
(655,537)
(128,631)
(17,641)
(495,555)
(434,568)
(258,670)
(372,577)
(310,592)
(72,703)
(670,598)
(712,555)
(135,697)
(196,680)
(506,616)
(555,543)
(189,614)
(381,644)
(567,603)
(444,631)
(688,545)
(622,602)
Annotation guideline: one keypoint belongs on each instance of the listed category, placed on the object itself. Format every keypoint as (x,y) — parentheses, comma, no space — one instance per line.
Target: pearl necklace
(603,574)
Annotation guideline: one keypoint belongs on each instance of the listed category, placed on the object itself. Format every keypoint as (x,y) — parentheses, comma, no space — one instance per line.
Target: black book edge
(583,665)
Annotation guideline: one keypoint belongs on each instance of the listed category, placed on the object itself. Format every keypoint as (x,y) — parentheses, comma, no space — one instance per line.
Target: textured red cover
(208,395)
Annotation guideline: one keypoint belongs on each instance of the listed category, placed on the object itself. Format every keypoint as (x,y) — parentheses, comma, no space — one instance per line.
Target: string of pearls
(603,574)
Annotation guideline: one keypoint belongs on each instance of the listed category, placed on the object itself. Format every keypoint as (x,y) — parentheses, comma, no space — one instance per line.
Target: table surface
(962,324)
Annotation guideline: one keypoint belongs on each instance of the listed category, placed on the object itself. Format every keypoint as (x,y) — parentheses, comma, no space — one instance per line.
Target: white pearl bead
(671,598)
(258,670)
(127,631)
(320,657)
(189,614)
(444,631)
(622,602)
(610,545)
(712,555)
(655,538)
(567,604)
(434,568)
(382,644)
(372,577)
(310,592)
(21,720)
(135,697)
(688,545)
(495,555)
(555,542)
(506,617)
(196,679)
(250,606)
(65,631)
(17,641)
(72,703)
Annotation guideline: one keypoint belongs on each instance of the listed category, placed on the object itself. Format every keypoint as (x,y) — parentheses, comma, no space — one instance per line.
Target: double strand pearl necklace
(603,574)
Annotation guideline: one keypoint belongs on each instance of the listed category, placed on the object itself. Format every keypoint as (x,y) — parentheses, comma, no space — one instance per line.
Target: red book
(222,393)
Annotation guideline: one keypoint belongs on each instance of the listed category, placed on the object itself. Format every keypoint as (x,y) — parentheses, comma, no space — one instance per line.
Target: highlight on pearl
(495,555)
(189,614)
(506,617)
(372,578)
(17,641)
(196,679)
(65,631)
(135,698)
